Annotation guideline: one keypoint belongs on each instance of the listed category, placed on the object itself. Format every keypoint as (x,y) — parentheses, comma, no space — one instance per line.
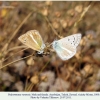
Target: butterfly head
(56,45)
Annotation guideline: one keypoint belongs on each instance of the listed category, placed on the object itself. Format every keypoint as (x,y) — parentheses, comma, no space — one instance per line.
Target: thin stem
(53,28)
(44,67)
(15,61)
(13,54)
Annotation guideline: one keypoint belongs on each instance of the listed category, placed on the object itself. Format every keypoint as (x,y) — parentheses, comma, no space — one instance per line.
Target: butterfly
(66,47)
(33,40)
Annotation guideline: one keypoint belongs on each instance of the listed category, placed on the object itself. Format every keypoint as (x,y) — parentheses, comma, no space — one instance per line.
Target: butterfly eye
(56,43)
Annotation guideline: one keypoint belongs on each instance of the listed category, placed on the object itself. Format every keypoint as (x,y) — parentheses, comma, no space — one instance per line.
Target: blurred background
(52,19)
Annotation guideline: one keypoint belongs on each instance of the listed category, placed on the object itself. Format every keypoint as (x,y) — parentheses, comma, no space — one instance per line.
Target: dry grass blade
(44,67)
(29,88)
(13,54)
(82,15)
(53,28)
(15,61)
(17,47)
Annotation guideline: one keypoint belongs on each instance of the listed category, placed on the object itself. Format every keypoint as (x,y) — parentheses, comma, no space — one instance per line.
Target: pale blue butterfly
(66,47)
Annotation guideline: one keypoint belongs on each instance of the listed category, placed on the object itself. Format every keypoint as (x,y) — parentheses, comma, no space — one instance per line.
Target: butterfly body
(66,47)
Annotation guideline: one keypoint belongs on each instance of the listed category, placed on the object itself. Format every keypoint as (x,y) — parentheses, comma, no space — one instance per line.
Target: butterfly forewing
(72,40)
(35,34)
(32,39)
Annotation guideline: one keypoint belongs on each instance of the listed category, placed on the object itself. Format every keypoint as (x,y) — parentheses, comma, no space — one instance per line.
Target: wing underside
(66,47)
(72,40)
(32,39)
(65,53)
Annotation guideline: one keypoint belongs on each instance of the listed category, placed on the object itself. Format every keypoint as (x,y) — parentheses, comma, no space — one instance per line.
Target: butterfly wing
(33,40)
(66,47)
(63,51)
(72,40)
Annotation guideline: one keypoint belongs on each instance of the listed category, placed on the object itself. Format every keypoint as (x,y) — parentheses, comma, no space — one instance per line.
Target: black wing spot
(74,38)
(24,40)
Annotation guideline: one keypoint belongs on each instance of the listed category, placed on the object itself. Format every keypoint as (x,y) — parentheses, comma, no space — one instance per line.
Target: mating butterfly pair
(65,47)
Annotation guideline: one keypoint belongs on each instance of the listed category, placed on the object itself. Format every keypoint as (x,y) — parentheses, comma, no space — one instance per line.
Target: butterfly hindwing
(66,53)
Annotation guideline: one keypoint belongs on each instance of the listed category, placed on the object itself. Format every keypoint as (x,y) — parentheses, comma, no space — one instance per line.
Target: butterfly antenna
(49,44)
